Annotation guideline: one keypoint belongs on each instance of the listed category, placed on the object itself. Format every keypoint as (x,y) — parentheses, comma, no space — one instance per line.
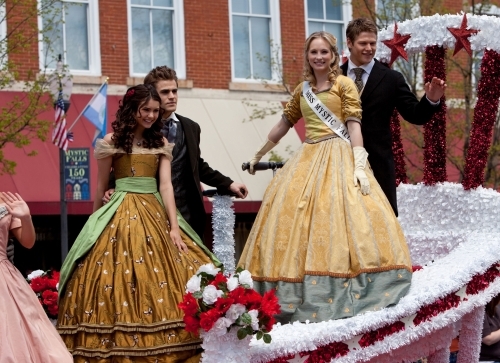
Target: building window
(71,29)
(156,36)
(255,36)
(331,16)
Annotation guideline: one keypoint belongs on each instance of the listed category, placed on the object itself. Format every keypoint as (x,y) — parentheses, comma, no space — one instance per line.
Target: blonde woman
(326,238)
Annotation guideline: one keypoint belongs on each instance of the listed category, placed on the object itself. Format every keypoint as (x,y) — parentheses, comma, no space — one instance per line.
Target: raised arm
(18,208)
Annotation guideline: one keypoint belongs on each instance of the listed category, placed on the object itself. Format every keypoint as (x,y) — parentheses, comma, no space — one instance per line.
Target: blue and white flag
(96,112)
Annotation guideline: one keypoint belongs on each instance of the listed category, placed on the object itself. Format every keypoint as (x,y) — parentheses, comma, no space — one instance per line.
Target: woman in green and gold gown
(330,247)
(127,271)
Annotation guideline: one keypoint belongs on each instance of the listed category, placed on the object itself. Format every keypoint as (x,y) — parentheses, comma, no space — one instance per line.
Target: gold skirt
(329,251)
(120,304)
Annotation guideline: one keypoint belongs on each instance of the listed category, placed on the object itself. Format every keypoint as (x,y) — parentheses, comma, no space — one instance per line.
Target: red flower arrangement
(44,285)
(216,303)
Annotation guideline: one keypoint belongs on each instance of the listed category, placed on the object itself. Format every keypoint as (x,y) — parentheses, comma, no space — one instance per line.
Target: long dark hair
(125,123)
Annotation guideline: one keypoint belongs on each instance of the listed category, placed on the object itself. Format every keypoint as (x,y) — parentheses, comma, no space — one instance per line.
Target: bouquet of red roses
(216,303)
(45,284)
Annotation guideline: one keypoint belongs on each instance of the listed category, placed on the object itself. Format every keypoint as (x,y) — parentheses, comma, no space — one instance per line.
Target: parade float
(452,230)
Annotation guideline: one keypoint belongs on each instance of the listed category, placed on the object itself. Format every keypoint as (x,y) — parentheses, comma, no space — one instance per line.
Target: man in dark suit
(188,167)
(381,90)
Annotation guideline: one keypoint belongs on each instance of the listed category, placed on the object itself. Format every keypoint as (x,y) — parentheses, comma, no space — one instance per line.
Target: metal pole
(64,207)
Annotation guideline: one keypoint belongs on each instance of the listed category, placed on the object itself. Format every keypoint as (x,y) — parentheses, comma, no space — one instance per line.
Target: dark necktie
(359,78)
(171,127)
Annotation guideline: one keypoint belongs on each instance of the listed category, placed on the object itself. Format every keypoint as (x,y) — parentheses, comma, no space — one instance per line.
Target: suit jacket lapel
(376,75)
(190,140)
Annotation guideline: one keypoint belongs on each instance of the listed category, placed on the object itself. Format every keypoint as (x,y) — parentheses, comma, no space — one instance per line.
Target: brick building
(233,59)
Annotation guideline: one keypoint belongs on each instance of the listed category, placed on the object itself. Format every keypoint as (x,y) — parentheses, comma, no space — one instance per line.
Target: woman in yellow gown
(127,271)
(325,237)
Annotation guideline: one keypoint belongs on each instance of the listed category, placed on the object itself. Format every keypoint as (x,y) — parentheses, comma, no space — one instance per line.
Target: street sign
(77,174)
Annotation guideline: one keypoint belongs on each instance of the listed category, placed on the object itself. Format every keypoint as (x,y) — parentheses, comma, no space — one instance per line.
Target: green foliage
(20,120)
(267,338)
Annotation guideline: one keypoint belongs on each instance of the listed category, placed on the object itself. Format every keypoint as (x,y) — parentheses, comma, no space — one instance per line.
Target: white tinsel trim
(437,340)
(438,218)
(432,30)
(224,349)
(223,229)
(478,251)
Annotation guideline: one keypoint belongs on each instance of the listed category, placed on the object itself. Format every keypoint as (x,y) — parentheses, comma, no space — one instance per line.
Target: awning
(227,140)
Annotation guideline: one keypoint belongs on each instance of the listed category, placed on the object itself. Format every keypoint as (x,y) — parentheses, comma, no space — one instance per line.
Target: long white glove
(263,150)
(360,157)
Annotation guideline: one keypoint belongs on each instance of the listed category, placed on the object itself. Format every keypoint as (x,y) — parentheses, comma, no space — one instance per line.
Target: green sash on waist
(98,221)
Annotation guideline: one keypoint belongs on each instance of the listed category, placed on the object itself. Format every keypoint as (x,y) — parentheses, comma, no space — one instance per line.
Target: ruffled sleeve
(292,112)
(167,150)
(103,149)
(351,104)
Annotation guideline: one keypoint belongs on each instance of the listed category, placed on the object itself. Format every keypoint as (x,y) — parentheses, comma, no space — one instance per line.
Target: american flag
(60,136)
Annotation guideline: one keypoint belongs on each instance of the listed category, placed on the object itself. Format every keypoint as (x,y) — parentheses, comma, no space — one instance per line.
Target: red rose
(189,304)
(208,319)
(192,324)
(38,284)
(53,309)
(49,298)
(219,279)
(223,304)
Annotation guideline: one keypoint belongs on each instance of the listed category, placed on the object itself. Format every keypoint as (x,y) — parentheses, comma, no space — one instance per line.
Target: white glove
(263,150)
(360,157)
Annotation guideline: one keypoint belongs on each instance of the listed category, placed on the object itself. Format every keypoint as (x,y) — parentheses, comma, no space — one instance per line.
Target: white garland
(226,348)
(478,251)
(432,30)
(438,218)
(223,219)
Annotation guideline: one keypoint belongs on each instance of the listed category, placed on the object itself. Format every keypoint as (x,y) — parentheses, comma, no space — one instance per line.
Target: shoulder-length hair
(125,122)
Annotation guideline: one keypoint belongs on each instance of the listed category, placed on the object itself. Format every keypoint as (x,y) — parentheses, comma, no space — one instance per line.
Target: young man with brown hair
(188,167)
(381,90)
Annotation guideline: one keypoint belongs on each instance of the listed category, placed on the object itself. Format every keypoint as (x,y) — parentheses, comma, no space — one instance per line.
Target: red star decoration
(462,35)
(397,45)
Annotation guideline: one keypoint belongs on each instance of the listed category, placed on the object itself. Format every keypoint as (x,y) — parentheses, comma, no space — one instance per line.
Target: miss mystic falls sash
(325,115)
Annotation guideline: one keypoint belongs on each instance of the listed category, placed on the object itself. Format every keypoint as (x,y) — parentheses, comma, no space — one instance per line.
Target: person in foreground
(127,270)
(27,335)
(490,347)
(325,237)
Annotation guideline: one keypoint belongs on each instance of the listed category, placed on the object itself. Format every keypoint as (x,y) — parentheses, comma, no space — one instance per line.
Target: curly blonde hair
(334,66)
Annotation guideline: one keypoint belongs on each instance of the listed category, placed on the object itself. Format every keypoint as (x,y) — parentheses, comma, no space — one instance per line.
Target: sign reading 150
(76,172)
